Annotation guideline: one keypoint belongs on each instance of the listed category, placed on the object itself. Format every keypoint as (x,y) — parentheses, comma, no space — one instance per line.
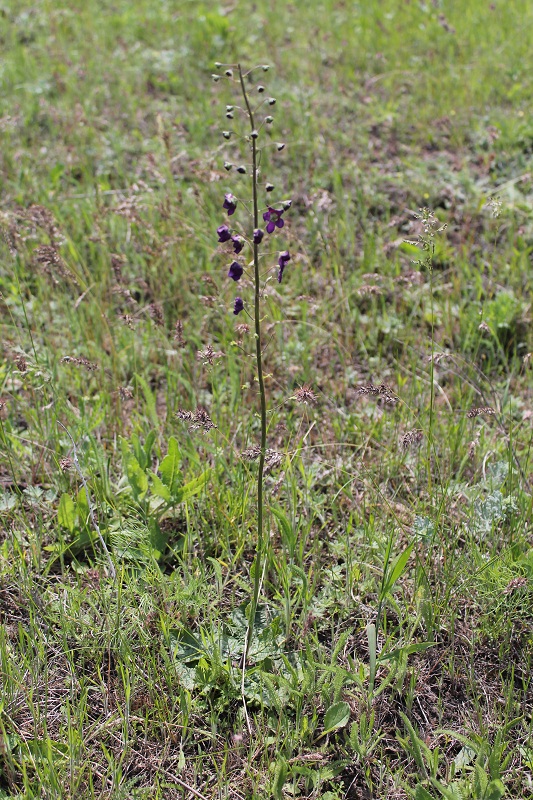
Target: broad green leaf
(148,445)
(137,478)
(158,539)
(280,776)
(66,513)
(170,467)
(193,487)
(136,446)
(185,646)
(143,453)
(494,790)
(480,781)
(159,488)
(82,506)
(337,716)
(422,794)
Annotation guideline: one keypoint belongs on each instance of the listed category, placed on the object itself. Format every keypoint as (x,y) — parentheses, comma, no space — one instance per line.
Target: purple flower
(238,305)
(258,236)
(283,259)
(273,217)
(235,271)
(224,234)
(238,243)
(230,203)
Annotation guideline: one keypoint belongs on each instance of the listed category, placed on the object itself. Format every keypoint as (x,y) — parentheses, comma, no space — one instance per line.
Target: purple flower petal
(224,234)
(238,243)
(235,271)
(258,235)
(238,305)
(273,217)
(230,203)
(283,259)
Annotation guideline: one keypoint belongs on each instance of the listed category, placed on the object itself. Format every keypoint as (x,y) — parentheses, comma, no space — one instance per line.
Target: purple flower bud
(269,187)
(224,234)
(283,259)
(271,101)
(280,146)
(258,236)
(260,89)
(230,203)
(235,271)
(241,170)
(238,305)
(238,243)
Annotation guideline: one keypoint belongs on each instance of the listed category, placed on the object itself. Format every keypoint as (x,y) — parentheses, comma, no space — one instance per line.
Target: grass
(391,654)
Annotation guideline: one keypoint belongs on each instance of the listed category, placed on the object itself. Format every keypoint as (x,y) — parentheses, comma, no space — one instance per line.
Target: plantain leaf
(192,487)
(337,716)
(170,467)
(159,488)
(66,513)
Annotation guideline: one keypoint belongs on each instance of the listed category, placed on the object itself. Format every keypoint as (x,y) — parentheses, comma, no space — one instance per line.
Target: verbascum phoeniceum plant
(253,221)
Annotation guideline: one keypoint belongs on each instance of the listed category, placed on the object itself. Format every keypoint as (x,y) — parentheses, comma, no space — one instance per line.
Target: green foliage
(156,496)
(398,573)
(474,774)
(337,716)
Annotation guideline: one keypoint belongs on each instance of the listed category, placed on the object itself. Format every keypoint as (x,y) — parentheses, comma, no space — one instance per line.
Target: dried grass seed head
(208,355)
(382,392)
(156,313)
(481,411)
(305,395)
(411,439)
(197,420)
(80,361)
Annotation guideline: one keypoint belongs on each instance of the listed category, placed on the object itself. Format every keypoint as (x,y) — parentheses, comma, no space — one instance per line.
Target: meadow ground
(392,647)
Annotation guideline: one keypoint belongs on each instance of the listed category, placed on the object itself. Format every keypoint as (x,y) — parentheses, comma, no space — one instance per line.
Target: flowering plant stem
(260,380)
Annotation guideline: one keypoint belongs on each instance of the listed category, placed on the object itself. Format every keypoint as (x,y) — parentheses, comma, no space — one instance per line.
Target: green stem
(261,382)
(431,373)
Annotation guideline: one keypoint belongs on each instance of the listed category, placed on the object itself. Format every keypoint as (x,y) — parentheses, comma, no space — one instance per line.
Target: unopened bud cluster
(272,214)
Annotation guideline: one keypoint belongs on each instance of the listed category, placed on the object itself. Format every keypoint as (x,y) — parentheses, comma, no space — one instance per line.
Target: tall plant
(263,220)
